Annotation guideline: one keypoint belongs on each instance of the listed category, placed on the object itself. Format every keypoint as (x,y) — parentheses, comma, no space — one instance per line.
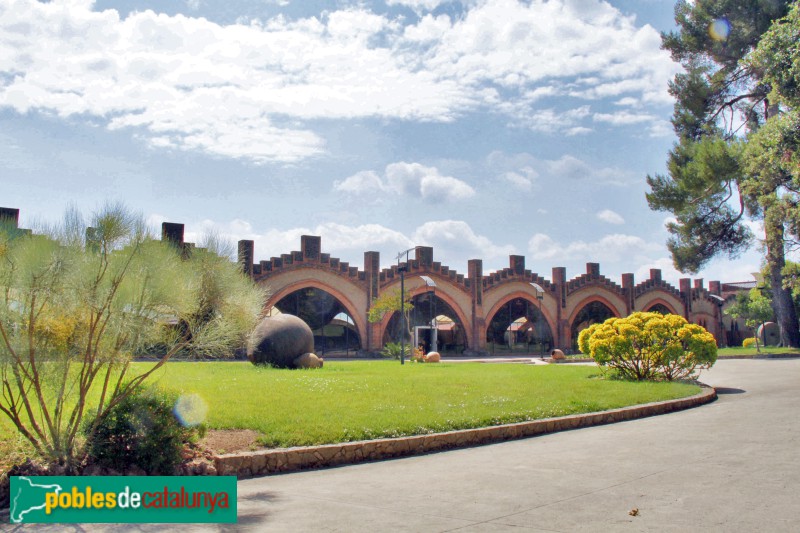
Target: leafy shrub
(392,350)
(140,431)
(649,346)
(749,342)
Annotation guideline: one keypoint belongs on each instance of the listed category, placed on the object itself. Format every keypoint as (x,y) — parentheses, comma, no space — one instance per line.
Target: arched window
(334,329)
(518,326)
(592,313)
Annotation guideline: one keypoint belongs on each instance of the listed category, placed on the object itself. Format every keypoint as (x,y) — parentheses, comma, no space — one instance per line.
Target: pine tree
(720,98)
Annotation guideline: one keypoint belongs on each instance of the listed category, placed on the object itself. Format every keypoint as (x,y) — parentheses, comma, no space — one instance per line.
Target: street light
(403,269)
(720,301)
(540,297)
(434,330)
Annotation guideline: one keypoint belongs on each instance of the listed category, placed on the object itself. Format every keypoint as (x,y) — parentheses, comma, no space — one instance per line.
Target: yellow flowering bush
(58,330)
(749,342)
(650,346)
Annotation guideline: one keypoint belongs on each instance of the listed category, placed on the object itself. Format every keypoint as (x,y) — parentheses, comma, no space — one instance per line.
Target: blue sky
(482,128)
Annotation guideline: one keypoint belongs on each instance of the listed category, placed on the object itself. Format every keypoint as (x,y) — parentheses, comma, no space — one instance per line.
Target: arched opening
(592,313)
(431,323)
(659,308)
(335,332)
(518,326)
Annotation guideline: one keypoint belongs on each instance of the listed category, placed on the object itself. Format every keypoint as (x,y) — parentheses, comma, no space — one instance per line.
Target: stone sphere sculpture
(433,357)
(308,360)
(279,341)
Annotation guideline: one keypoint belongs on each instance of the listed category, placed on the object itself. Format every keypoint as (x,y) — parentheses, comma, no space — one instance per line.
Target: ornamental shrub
(749,342)
(392,350)
(649,346)
(143,431)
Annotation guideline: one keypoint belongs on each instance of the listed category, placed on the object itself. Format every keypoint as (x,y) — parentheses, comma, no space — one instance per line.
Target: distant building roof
(739,285)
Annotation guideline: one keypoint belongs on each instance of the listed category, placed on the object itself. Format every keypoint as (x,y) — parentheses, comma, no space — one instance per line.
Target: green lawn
(358,400)
(739,351)
(355,400)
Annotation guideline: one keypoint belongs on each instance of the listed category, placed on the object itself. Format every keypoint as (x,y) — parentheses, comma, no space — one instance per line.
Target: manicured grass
(739,351)
(356,400)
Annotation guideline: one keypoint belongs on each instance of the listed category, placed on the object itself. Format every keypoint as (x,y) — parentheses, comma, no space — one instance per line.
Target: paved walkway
(733,465)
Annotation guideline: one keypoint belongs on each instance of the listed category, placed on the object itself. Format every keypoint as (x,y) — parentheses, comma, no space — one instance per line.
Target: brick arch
(583,303)
(580,307)
(593,298)
(657,301)
(526,296)
(384,323)
(340,297)
(646,296)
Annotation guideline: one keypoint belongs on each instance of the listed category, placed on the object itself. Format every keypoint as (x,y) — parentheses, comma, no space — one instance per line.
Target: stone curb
(761,356)
(273,461)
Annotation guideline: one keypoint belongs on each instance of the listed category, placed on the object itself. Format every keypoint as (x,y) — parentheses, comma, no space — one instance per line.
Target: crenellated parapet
(423,264)
(593,278)
(309,256)
(473,301)
(655,283)
(516,272)
(700,293)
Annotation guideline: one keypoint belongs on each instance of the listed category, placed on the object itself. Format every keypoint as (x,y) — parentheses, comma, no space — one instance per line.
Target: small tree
(648,346)
(390,302)
(77,302)
(754,308)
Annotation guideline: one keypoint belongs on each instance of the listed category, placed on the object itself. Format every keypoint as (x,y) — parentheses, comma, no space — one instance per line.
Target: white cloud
(407,179)
(668,271)
(418,5)
(607,215)
(248,91)
(610,248)
(524,170)
(454,241)
(548,120)
(570,167)
(346,242)
(523,180)
(624,118)
(362,183)
(457,240)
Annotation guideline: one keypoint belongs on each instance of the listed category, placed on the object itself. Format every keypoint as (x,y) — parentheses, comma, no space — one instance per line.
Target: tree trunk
(782,304)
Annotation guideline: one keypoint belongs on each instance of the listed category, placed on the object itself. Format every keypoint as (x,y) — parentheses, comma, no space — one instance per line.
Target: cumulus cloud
(407,179)
(522,180)
(456,239)
(250,90)
(611,248)
(364,183)
(607,215)
(570,167)
(523,171)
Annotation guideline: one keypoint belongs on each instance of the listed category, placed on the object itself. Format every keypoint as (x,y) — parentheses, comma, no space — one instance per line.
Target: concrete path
(733,465)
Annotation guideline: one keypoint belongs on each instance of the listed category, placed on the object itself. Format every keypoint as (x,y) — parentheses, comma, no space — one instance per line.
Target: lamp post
(540,297)
(403,269)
